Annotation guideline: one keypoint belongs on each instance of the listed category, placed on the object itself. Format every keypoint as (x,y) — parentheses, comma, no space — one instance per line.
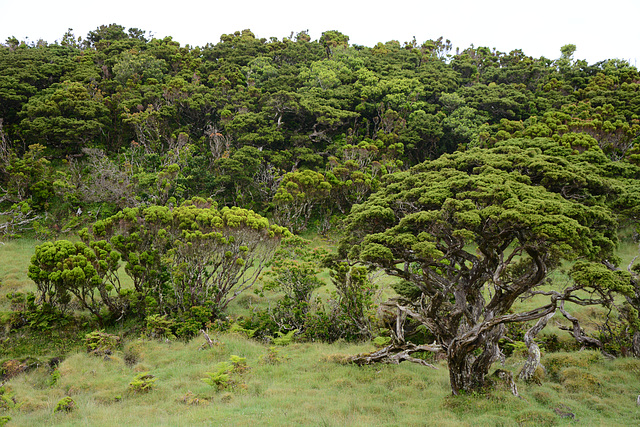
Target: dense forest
(186,175)
(296,129)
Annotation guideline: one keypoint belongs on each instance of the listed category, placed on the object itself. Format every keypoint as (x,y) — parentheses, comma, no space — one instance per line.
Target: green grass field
(300,384)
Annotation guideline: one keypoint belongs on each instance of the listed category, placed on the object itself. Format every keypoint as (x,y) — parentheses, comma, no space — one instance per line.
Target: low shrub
(222,377)
(101,343)
(142,383)
(66,404)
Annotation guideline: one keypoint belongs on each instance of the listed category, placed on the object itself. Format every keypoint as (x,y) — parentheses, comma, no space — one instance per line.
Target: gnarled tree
(476,230)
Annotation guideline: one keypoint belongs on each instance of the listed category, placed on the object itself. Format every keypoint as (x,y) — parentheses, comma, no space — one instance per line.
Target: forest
(469,211)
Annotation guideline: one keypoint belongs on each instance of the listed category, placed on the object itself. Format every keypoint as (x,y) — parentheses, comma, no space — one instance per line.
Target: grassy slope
(306,387)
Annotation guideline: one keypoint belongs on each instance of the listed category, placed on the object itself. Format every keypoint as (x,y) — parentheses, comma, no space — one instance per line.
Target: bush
(160,327)
(142,383)
(101,343)
(222,376)
(66,404)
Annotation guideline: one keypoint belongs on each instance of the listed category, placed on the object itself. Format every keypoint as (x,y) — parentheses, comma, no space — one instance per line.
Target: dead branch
(578,333)
(394,354)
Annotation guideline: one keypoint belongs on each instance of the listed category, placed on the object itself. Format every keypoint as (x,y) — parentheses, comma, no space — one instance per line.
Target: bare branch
(394,354)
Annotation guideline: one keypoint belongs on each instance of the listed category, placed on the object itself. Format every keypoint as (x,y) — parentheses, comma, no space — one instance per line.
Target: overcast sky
(600,29)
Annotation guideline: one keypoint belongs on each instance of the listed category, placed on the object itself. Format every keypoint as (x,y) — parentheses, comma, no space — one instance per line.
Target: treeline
(295,129)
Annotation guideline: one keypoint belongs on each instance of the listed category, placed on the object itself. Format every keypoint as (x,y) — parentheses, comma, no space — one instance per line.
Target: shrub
(142,383)
(160,327)
(101,343)
(54,378)
(285,339)
(66,404)
(221,377)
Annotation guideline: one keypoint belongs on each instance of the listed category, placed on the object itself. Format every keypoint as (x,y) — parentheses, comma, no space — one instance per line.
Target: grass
(15,256)
(299,384)
(305,387)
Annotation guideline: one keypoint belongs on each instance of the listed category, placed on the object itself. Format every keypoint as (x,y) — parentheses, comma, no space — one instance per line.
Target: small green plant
(239,364)
(142,383)
(54,378)
(66,404)
(285,339)
(101,343)
(381,342)
(221,377)
(7,403)
(160,327)
(237,328)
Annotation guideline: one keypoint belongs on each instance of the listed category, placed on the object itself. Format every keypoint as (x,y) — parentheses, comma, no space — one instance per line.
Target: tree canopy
(473,231)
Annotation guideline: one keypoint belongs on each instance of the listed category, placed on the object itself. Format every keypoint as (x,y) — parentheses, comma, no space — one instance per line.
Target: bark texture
(533,361)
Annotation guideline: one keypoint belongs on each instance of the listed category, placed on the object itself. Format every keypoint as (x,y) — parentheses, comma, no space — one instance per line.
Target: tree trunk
(468,373)
(461,374)
(533,361)
(636,344)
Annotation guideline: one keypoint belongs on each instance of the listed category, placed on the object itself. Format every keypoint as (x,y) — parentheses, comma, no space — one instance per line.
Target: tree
(473,231)
(65,118)
(62,270)
(298,196)
(332,40)
(193,255)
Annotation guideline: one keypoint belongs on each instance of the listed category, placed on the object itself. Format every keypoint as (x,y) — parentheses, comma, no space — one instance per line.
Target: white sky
(600,29)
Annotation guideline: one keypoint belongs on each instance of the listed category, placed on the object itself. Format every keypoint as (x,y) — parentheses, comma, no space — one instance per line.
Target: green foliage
(284,339)
(225,373)
(298,196)
(220,378)
(381,342)
(142,383)
(63,270)
(193,255)
(293,272)
(355,303)
(66,404)
(64,117)
(160,327)
(101,343)
(54,378)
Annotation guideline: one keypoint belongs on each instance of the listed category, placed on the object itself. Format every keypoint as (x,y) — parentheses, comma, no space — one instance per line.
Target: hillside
(316,207)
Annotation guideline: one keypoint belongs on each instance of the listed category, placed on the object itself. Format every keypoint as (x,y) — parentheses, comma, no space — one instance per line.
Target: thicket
(296,129)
